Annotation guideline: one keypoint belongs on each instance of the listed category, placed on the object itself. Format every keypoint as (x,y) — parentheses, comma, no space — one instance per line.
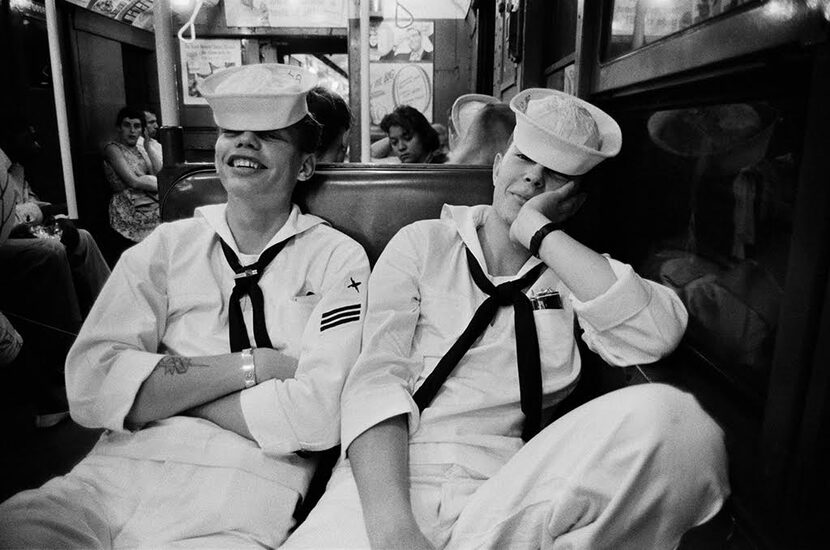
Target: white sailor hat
(267,96)
(465,108)
(562,132)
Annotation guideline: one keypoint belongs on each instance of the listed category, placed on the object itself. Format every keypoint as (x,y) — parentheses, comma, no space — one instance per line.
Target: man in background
(150,142)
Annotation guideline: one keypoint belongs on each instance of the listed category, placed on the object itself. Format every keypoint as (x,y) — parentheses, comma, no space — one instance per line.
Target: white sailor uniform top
(170,294)
(422,298)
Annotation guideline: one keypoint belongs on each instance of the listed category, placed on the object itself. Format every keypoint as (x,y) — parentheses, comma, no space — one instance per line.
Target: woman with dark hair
(411,136)
(134,206)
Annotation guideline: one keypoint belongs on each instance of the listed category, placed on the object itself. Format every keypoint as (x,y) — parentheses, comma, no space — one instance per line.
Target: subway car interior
(719,193)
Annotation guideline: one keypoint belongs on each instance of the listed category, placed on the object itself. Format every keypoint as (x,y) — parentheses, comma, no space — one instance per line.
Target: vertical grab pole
(165,63)
(364,81)
(60,107)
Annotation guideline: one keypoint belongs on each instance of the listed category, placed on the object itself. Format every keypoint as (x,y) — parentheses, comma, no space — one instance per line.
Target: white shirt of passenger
(170,293)
(422,298)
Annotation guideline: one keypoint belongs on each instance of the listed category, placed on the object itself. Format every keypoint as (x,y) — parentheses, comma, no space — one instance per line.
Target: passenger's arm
(380,462)
(118,375)
(381,148)
(181,383)
(225,412)
(303,412)
(377,400)
(143,182)
(626,319)
(585,272)
(636,321)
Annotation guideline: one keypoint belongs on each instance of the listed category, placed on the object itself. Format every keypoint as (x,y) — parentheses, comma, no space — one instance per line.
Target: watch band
(539,236)
(248,368)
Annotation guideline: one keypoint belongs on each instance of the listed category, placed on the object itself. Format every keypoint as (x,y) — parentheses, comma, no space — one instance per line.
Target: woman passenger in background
(134,206)
(411,137)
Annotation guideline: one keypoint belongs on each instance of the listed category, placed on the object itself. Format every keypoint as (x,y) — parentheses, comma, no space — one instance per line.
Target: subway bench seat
(370,203)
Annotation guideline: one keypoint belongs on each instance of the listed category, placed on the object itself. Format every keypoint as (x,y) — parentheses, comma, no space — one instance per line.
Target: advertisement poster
(401,69)
(403,11)
(393,84)
(391,43)
(202,58)
(286,13)
(138,13)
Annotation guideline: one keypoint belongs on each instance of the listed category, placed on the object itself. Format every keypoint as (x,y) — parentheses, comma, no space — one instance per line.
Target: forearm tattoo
(172,364)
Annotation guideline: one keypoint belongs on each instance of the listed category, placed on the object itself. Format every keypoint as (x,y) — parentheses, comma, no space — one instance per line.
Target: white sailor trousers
(110,502)
(634,468)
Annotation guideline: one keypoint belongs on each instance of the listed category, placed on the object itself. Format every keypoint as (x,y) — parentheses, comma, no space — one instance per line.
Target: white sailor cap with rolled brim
(465,107)
(553,129)
(268,96)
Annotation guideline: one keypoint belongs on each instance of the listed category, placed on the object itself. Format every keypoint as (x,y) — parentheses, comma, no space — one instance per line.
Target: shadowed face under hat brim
(552,151)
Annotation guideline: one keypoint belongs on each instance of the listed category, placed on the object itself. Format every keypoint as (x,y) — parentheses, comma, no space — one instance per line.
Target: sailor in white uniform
(215,355)
(469,338)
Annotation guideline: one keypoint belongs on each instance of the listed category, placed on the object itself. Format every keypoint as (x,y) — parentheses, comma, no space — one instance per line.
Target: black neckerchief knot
(527,345)
(247,284)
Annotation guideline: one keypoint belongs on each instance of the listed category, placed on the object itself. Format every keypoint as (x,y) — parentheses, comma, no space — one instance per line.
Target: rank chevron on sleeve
(339,316)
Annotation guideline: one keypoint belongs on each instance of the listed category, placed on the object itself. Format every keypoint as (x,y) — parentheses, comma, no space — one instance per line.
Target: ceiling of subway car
(264,13)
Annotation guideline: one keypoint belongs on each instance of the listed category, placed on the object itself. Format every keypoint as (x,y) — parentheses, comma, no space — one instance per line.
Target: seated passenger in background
(36,220)
(381,150)
(444,433)
(10,339)
(134,206)
(487,135)
(332,112)
(411,137)
(149,142)
(51,274)
(216,355)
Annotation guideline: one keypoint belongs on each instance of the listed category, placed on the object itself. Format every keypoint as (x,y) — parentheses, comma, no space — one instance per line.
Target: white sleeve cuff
(526,224)
(625,298)
(266,421)
(373,408)
(118,390)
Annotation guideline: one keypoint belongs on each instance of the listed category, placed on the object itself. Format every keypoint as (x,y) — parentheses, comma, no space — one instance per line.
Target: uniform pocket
(554,329)
(297,314)
(307,300)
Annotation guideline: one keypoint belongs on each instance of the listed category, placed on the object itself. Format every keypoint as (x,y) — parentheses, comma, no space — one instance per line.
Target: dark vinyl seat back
(370,203)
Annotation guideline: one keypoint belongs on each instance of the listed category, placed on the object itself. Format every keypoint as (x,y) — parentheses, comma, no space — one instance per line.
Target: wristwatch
(539,236)
(248,368)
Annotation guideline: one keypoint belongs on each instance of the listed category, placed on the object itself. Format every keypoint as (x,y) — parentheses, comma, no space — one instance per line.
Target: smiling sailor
(216,353)
(470,341)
